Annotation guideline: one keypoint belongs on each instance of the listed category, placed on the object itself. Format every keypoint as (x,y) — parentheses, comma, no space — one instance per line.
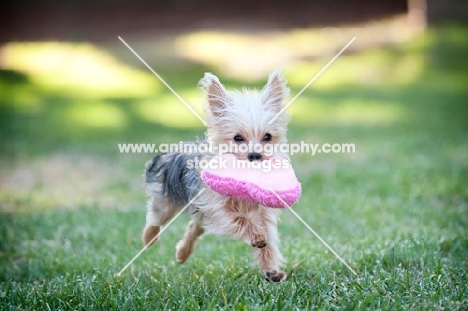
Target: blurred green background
(72,206)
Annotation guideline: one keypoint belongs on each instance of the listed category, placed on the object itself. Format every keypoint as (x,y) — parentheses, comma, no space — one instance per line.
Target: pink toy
(252,181)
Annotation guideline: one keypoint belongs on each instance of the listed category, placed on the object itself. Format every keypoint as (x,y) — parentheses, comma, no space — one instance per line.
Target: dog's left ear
(215,93)
(275,91)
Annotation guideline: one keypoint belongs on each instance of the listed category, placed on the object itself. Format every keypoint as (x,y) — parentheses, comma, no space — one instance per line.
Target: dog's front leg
(269,257)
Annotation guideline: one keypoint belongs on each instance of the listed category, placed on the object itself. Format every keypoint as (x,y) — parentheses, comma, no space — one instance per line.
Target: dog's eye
(267,137)
(238,138)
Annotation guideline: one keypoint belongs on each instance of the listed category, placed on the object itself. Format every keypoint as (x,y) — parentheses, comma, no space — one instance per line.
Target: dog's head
(252,119)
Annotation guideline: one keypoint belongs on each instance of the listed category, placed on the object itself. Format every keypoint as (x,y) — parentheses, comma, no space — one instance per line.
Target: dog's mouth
(245,157)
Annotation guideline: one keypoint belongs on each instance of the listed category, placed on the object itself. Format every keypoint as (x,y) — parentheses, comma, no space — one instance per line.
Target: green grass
(72,207)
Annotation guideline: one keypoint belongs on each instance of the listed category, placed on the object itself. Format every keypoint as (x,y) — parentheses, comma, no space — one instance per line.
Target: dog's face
(242,118)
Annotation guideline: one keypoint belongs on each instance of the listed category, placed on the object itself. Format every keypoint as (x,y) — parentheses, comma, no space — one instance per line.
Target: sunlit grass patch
(310,111)
(96,114)
(251,55)
(371,67)
(169,111)
(76,70)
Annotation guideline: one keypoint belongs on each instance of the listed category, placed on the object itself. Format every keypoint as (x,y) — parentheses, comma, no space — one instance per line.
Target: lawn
(72,207)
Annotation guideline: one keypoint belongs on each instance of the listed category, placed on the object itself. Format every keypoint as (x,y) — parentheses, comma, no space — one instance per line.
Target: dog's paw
(183,251)
(259,243)
(274,276)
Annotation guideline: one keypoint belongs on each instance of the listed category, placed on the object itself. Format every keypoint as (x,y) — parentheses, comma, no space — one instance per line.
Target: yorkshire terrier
(232,117)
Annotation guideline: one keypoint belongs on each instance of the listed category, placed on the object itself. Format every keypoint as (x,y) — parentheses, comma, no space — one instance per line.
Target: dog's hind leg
(185,246)
(159,211)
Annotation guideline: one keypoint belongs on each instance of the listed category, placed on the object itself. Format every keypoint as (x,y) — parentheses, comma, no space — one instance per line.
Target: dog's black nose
(254,156)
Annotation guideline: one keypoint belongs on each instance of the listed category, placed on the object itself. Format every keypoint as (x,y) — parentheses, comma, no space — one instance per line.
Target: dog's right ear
(275,91)
(215,93)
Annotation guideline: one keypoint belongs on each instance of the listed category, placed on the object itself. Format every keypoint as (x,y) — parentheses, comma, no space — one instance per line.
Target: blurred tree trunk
(442,10)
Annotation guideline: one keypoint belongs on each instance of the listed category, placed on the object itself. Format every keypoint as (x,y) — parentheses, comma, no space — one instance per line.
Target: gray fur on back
(179,181)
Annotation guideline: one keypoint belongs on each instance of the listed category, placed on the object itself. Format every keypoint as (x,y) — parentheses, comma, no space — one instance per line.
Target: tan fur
(149,232)
(185,246)
(158,211)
